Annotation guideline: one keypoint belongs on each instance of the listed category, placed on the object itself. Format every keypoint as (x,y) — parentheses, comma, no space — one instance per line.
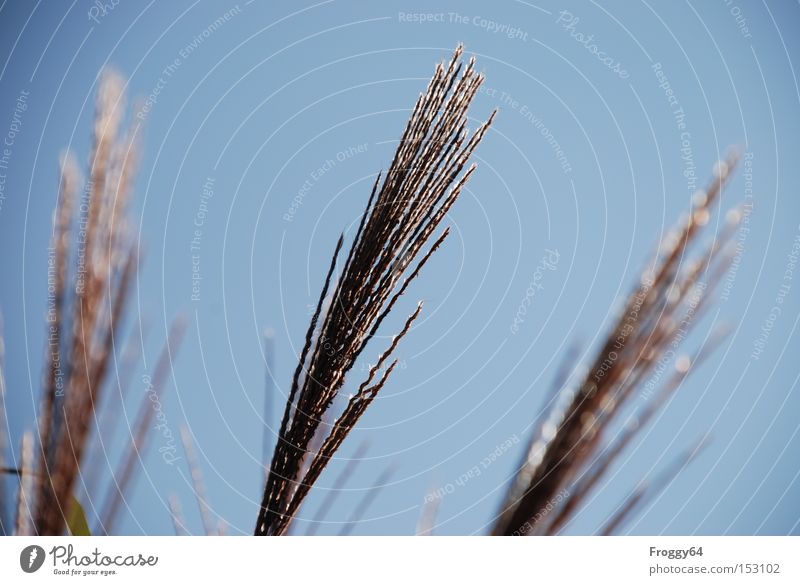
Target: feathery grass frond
(424,180)
(570,448)
(84,316)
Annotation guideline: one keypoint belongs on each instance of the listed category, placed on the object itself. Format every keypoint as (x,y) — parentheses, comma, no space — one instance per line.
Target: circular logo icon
(31,558)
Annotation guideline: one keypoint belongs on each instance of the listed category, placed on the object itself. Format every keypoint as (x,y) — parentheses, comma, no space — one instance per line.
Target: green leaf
(77,524)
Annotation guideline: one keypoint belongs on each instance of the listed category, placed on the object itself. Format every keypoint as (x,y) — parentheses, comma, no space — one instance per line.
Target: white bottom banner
(400,559)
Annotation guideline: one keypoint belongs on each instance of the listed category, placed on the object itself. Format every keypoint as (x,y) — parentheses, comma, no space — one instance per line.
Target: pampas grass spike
(81,344)
(670,299)
(405,206)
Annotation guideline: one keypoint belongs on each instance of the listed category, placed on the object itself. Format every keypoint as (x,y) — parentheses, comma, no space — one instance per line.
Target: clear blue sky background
(266,98)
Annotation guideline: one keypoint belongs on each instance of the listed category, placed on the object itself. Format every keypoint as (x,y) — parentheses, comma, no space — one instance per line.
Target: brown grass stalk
(176,513)
(97,456)
(428,514)
(366,500)
(5,522)
(142,428)
(198,484)
(24,523)
(646,491)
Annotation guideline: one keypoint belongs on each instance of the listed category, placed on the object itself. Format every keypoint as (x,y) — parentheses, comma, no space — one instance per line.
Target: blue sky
(587,157)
